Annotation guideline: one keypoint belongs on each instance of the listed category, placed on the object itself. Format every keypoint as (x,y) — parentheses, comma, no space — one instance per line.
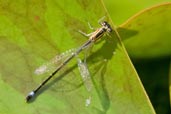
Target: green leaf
(120,11)
(149,54)
(147,34)
(32,32)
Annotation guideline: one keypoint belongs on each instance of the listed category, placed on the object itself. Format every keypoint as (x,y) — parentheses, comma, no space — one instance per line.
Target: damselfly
(93,37)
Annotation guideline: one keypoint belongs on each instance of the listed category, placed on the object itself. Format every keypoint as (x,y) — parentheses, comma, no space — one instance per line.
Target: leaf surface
(33,32)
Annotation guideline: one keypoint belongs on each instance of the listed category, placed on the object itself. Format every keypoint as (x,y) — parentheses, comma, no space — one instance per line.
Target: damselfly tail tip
(30,96)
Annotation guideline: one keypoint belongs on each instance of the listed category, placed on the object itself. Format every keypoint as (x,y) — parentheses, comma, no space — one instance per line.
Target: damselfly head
(106,26)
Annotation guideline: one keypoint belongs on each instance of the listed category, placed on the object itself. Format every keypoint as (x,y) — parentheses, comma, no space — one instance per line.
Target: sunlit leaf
(147,34)
(33,32)
(120,11)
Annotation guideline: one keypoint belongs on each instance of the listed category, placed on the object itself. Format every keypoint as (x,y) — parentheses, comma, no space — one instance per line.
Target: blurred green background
(153,70)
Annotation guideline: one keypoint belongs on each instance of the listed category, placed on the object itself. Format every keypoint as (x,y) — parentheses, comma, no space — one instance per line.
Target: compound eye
(109,30)
(104,23)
